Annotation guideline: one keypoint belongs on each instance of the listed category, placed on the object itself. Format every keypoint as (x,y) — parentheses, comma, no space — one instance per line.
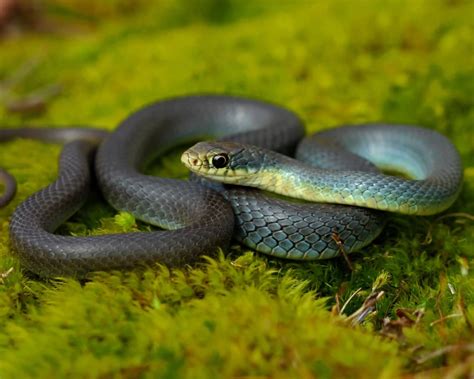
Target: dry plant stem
(469,348)
(5,274)
(349,300)
(343,252)
(454,315)
(367,308)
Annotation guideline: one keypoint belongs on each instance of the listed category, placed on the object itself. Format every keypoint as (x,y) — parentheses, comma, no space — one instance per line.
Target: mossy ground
(243,314)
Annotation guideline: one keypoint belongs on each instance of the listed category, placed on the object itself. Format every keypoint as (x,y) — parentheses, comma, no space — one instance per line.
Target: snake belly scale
(199,215)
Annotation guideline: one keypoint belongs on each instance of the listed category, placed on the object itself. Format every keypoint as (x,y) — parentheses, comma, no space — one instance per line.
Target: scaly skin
(200,218)
(335,172)
(427,155)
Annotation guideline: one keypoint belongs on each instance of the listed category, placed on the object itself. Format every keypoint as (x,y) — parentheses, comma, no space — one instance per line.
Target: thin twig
(5,275)
(337,239)
(349,300)
(454,315)
(462,306)
(444,350)
(367,308)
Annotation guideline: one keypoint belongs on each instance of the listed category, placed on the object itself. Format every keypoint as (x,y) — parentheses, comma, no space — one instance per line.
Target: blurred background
(93,62)
(337,61)
(54,15)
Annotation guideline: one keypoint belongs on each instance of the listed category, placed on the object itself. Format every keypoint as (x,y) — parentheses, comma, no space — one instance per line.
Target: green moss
(201,323)
(246,314)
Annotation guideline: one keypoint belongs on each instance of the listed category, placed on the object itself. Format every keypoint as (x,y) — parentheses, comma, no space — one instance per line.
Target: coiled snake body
(199,215)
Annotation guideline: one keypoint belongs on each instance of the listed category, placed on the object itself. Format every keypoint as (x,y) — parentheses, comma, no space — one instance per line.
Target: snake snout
(191,160)
(196,159)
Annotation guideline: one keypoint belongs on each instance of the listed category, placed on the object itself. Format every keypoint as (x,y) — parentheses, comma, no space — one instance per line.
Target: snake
(243,181)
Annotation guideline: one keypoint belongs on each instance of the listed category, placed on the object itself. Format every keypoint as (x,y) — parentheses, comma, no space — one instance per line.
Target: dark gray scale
(297,230)
(200,218)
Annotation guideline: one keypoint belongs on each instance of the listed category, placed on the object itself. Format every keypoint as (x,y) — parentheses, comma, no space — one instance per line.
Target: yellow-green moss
(245,314)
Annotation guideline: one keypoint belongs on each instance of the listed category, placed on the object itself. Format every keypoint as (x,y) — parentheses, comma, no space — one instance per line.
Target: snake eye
(220,160)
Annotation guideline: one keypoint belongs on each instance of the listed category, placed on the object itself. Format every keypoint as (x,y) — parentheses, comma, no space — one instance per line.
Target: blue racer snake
(338,165)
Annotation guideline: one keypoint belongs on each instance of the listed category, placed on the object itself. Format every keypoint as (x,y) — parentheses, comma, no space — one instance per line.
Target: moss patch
(246,314)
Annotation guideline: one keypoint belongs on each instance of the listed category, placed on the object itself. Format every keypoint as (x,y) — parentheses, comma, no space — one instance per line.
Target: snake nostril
(194,162)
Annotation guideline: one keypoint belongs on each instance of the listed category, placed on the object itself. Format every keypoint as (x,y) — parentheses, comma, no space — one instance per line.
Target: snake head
(226,162)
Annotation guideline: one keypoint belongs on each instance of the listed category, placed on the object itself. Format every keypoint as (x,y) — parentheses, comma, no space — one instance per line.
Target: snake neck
(295,179)
(289,177)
